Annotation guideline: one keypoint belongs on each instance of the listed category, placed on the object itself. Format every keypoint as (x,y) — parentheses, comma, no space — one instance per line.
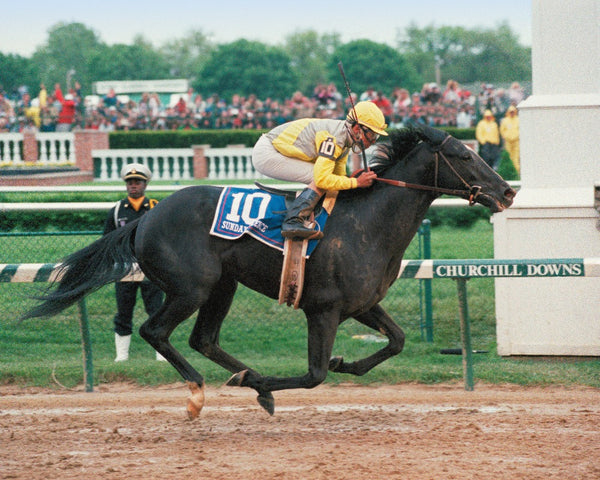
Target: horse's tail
(107,260)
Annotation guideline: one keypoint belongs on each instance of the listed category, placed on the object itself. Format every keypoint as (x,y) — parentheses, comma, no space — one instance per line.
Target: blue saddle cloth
(260,214)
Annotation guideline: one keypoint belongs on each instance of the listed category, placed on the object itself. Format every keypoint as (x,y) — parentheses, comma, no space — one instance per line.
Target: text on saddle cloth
(248,211)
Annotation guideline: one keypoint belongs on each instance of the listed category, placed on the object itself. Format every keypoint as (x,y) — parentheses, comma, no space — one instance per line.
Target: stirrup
(299,233)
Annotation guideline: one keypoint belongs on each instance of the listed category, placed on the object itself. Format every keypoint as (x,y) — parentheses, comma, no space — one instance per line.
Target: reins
(470,193)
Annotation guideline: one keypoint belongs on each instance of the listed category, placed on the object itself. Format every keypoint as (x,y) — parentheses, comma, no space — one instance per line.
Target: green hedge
(214,138)
(183,138)
(62,221)
(65,221)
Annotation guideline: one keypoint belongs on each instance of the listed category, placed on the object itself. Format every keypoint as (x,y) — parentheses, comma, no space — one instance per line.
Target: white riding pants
(268,161)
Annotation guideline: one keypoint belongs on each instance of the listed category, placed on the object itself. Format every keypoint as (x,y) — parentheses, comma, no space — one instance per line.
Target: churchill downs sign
(421,269)
(557,267)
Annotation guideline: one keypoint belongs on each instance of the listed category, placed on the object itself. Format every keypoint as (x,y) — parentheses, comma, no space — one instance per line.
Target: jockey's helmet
(369,116)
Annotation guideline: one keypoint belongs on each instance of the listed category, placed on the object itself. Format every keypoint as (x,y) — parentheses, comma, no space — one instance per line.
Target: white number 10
(234,214)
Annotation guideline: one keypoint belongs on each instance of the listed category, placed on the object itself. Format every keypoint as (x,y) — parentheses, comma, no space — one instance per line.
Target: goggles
(369,134)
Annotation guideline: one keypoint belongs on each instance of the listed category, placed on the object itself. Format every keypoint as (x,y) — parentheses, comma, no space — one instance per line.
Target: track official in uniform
(136,177)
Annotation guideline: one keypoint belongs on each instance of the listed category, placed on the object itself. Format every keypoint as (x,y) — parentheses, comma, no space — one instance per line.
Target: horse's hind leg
(205,335)
(377,319)
(158,328)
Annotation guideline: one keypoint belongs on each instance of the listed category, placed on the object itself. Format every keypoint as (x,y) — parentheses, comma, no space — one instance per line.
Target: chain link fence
(404,302)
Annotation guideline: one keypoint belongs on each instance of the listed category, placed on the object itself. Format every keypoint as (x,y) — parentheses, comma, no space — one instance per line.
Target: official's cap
(488,113)
(136,170)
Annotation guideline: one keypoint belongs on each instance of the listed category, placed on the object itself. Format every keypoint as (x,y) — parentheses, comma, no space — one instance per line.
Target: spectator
(49,115)
(43,96)
(430,93)
(6,109)
(110,99)
(488,136)
(432,107)
(155,104)
(452,92)
(368,95)
(385,106)
(464,119)
(300,106)
(66,116)
(105,125)
(181,107)
(136,177)
(515,94)
(501,102)
(4,125)
(509,131)
(401,98)
(199,106)
(33,113)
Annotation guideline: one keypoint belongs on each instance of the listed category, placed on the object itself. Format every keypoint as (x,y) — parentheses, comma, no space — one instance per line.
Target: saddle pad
(256,213)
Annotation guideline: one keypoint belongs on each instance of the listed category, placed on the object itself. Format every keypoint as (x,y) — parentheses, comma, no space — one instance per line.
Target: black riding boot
(293,224)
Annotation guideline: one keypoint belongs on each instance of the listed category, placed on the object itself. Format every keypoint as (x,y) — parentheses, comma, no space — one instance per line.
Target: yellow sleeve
(509,129)
(330,175)
(479,133)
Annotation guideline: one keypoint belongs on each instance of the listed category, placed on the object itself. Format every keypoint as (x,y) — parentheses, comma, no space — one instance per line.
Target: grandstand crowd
(50,111)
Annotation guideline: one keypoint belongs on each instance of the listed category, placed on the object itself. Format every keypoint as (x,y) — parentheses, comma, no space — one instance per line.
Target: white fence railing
(176,163)
(230,164)
(56,147)
(164,163)
(11,148)
(53,148)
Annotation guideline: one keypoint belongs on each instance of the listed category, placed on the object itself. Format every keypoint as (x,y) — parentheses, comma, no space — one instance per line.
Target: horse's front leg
(377,319)
(322,328)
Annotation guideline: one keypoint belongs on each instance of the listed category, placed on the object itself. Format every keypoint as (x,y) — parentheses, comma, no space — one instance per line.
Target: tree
(128,62)
(187,56)
(16,71)
(367,63)
(490,55)
(310,54)
(246,67)
(69,47)
(499,57)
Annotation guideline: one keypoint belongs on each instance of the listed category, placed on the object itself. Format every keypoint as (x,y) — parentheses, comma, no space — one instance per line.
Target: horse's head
(450,167)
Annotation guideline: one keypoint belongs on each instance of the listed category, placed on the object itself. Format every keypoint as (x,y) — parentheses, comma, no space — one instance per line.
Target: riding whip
(362,147)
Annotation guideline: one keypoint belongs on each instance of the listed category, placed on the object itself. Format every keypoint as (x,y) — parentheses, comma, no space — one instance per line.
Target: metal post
(465,333)
(427,283)
(88,367)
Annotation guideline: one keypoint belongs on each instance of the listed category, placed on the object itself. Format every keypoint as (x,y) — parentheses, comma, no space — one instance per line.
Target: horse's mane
(396,147)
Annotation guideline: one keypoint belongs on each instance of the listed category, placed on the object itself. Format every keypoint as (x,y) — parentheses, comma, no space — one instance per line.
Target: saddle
(294,251)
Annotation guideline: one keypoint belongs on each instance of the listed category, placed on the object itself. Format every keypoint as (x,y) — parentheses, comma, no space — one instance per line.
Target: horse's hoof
(335,362)
(237,379)
(196,400)
(267,401)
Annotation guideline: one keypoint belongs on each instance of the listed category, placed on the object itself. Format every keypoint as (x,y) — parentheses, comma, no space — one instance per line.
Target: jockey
(315,151)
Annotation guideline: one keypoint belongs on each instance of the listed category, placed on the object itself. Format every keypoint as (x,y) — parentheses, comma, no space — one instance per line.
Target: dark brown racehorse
(347,275)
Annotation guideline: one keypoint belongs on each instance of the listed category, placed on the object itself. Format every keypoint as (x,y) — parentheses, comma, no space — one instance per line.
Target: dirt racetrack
(343,432)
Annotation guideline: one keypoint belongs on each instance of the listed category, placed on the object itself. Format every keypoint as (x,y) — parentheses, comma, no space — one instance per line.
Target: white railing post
(158,160)
(103,170)
(10,148)
(174,163)
(56,147)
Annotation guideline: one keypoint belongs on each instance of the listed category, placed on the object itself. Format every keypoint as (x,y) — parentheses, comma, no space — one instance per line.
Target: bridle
(471,192)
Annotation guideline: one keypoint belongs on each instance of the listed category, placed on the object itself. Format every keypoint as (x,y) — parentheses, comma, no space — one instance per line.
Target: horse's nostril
(510,193)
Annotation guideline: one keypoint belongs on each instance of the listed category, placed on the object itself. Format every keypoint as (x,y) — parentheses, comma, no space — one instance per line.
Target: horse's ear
(433,136)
